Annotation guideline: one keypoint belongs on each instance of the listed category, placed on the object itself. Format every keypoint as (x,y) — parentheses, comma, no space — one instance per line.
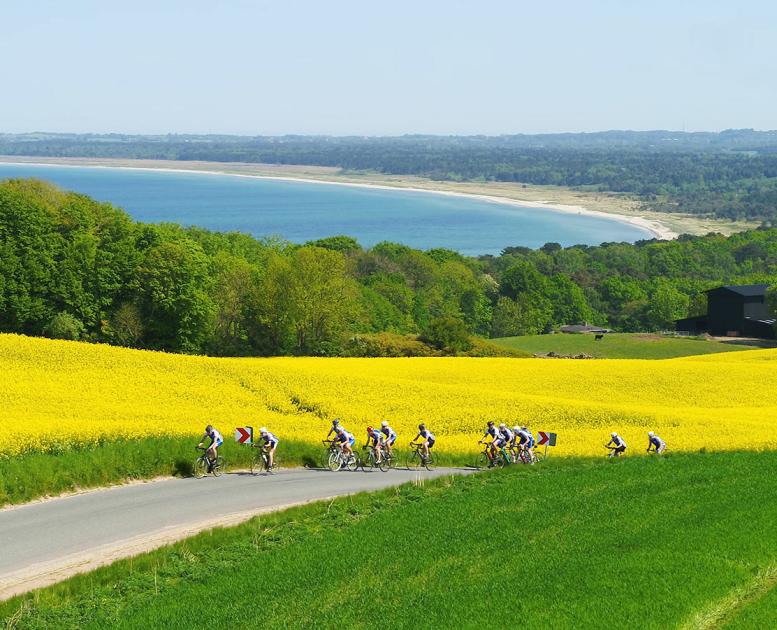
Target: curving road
(44,542)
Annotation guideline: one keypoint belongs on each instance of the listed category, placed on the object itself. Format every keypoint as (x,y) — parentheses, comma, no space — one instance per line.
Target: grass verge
(35,475)
(638,542)
(617,345)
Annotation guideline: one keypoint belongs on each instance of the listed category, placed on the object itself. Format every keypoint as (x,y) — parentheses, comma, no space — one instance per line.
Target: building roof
(746,290)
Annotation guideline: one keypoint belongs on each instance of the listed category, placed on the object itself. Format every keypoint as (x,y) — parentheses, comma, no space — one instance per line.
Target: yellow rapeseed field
(56,393)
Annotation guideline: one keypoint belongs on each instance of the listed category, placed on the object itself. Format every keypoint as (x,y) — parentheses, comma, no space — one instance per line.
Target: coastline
(653,228)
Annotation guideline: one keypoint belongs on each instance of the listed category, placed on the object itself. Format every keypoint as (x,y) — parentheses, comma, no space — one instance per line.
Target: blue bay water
(300,211)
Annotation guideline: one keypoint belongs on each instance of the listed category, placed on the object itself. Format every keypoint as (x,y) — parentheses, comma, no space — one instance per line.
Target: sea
(302,211)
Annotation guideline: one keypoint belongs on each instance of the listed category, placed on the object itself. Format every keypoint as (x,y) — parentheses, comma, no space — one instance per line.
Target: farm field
(64,400)
(617,345)
(641,531)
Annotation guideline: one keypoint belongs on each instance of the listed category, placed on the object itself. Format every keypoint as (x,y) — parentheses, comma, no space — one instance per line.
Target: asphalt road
(42,543)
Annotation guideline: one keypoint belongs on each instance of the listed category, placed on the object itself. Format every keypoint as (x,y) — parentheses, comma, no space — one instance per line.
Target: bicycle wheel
(413,461)
(334,462)
(200,467)
(482,461)
(352,463)
(429,463)
(276,465)
(538,457)
(384,463)
(219,466)
(257,463)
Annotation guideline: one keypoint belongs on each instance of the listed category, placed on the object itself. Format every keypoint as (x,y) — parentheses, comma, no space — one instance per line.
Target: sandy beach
(332,176)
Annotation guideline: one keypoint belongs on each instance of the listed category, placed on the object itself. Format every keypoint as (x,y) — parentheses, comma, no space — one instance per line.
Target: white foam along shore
(655,228)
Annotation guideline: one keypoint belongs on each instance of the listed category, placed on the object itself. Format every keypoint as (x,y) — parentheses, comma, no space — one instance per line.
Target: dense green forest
(732,174)
(75,268)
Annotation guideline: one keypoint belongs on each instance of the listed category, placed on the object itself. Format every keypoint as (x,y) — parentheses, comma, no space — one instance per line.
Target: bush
(447,333)
(387,345)
(65,326)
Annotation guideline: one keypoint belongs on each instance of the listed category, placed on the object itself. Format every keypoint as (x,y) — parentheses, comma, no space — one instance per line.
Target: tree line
(72,267)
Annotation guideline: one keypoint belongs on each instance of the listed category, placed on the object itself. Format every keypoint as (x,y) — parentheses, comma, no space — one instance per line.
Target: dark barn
(734,311)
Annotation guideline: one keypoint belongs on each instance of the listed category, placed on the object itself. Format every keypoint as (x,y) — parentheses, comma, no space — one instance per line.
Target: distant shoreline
(654,228)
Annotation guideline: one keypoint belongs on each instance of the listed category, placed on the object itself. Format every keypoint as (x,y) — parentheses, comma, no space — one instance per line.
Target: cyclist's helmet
(384,424)
(335,422)
(208,429)
(263,430)
(369,429)
(421,427)
(516,428)
(650,434)
(491,423)
(503,426)
(613,434)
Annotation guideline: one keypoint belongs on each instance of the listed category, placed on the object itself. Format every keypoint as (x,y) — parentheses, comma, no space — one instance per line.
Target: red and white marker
(244,435)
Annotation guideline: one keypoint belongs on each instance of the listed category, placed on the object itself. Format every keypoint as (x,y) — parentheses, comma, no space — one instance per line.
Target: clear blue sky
(391,67)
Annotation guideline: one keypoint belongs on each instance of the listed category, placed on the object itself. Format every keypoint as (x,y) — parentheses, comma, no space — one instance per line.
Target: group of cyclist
(381,440)
(617,444)
(499,439)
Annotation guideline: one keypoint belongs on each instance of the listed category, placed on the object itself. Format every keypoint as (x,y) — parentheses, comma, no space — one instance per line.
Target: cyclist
(655,442)
(502,439)
(269,444)
(391,436)
(526,441)
(215,441)
(515,444)
(493,433)
(428,439)
(376,439)
(335,425)
(345,441)
(618,443)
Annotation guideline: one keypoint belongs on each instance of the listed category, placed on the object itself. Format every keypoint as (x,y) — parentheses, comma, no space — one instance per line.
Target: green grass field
(679,541)
(617,345)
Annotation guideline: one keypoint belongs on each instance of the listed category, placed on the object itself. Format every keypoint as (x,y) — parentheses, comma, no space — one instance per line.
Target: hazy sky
(390,67)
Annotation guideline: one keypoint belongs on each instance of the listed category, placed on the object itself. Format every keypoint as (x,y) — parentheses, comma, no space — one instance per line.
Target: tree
(65,326)
(447,333)
(771,302)
(666,305)
(125,326)
(172,282)
(232,292)
(521,277)
(569,302)
(309,299)
(513,318)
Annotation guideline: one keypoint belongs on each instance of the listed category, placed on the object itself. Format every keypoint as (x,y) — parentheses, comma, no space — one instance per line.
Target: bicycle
(523,456)
(416,459)
(371,460)
(389,458)
(613,451)
(485,459)
(338,459)
(203,466)
(261,461)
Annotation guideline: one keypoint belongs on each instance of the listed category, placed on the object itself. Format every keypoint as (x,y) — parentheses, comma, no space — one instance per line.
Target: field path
(48,541)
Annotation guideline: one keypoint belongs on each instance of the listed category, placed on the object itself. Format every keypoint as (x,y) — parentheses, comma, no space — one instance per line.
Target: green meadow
(617,345)
(680,541)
